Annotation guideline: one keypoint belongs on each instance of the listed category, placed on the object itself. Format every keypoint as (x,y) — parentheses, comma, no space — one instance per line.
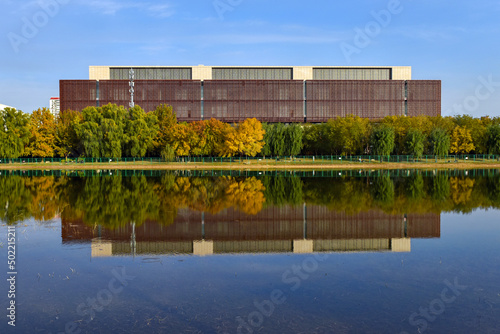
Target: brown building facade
(270,94)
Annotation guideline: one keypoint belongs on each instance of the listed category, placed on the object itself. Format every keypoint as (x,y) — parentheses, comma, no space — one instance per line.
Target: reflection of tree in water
(15,199)
(461,189)
(382,191)
(440,190)
(215,194)
(114,201)
(283,190)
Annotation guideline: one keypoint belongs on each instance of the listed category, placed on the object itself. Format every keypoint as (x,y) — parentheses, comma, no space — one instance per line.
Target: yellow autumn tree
(247,138)
(42,134)
(461,141)
(183,138)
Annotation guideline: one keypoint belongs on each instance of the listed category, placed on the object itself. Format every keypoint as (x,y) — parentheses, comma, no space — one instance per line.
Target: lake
(403,251)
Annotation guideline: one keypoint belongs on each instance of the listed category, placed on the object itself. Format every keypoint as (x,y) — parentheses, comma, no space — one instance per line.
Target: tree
(349,135)
(493,139)
(66,138)
(461,141)
(477,130)
(167,120)
(268,139)
(215,132)
(14,133)
(382,140)
(293,139)
(42,134)
(278,146)
(88,132)
(316,139)
(112,130)
(440,142)
(415,143)
(250,136)
(182,139)
(140,132)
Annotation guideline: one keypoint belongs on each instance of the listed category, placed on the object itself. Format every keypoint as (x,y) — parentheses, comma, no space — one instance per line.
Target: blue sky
(453,41)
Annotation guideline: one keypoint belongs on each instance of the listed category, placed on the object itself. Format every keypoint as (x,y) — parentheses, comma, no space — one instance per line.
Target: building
(3,106)
(270,94)
(288,229)
(54,106)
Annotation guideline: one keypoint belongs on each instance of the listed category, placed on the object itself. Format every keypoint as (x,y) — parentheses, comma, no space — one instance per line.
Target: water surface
(170,252)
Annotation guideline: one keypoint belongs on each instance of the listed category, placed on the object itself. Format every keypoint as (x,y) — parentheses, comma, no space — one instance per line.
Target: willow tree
(382,140)
(439,142)
(415,143)
(66,138)
(14,133)
(140,131)
(293,139)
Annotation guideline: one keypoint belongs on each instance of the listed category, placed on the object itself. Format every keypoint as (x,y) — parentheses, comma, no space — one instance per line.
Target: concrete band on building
(270,94)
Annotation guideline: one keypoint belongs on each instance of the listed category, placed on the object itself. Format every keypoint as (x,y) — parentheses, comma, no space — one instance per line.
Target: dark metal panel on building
(151,73)
(342,73)
(266,100)
(183,95)
(424,98)
(77,94)
(231,73)
(374,99)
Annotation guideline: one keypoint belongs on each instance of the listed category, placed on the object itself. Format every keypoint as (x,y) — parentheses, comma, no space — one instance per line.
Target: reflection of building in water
(298,229)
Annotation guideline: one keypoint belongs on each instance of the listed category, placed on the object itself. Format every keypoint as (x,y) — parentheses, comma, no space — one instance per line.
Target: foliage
(349,135)
(415,142)
(268,138)
(141,129)
(461,141)
(293,139)
(278,142)
(168,153)
(14,133)
(493,139)
(439,142)
(42,134)
(167,120)
(66,138)
(382,140)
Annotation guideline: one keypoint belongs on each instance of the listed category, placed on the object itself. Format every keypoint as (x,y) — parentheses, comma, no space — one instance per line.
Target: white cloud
(270,38)
(161,11)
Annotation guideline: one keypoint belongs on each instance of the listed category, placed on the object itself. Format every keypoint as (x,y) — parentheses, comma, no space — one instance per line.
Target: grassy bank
(251,165)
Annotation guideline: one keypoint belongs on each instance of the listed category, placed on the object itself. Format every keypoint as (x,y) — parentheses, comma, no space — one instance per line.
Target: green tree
(439,142)
(493,139)
(14,133)
(293,139)
(66,138)
(43,130)
(268,139)
(167,120)
(382,140)
(278,139)
(415,143)
(112,130)
(88,132)
(140,131)
(349,135)
(477,130)
(316,139)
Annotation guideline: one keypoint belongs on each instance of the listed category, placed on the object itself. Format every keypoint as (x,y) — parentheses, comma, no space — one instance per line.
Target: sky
(44,41)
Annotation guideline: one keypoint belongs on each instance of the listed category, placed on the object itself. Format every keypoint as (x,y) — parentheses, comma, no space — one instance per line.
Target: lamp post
(131,76)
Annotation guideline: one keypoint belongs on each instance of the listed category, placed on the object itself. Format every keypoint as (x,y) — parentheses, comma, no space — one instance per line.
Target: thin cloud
(269,38)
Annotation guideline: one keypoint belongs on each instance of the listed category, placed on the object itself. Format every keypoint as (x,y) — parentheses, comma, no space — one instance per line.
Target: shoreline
(242,166)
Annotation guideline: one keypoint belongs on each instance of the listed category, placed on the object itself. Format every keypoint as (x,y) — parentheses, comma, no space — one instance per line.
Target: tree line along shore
(113,131)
